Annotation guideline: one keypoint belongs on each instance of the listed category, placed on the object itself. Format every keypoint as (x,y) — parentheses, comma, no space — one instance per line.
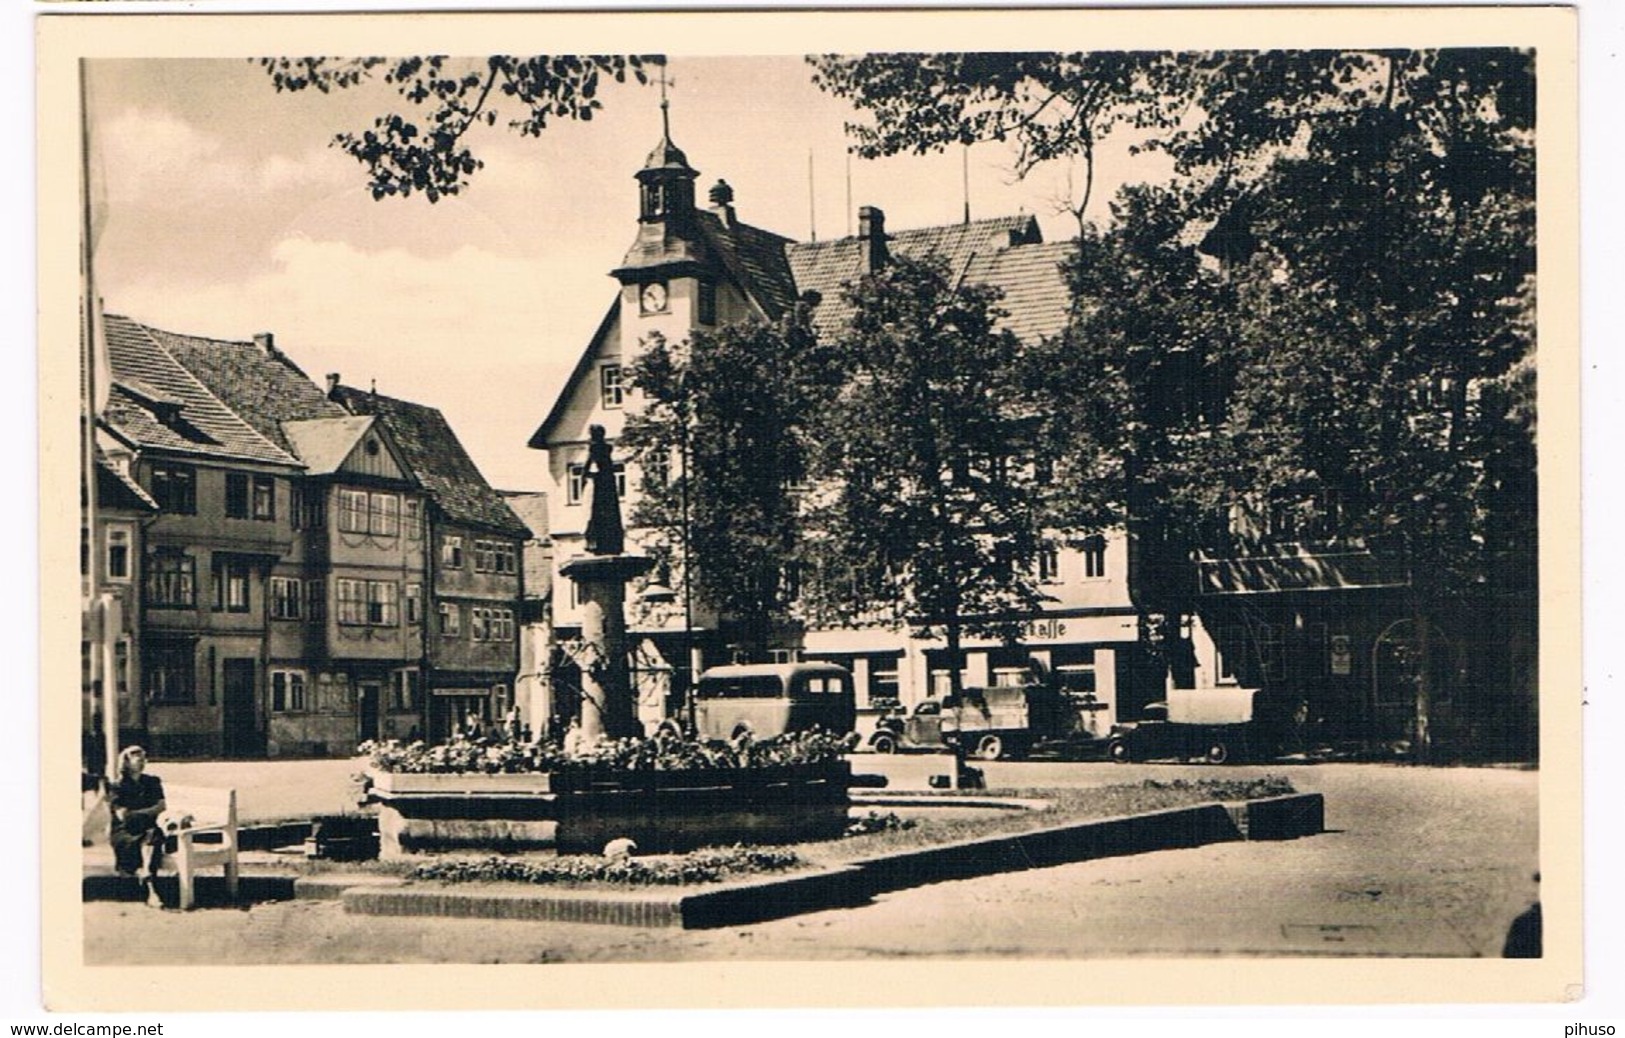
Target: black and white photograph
(1019,498)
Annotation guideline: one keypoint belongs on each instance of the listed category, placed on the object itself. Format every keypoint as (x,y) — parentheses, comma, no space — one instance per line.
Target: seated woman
(136,800)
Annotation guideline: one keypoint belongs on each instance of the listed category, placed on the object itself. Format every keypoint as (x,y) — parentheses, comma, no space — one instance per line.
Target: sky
(230,214)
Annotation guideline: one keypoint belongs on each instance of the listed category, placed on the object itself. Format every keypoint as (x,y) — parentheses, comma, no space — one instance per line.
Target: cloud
(153,158)
(487,338)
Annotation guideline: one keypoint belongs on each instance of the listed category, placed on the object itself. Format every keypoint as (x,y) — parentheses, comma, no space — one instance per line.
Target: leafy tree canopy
(425,148)
(737,404)
(925,448)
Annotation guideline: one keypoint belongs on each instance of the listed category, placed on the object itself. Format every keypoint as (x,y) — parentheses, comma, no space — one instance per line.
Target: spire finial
(665,104)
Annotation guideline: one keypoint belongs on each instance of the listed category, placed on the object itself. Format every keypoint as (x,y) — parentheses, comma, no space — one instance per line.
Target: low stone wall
(580,812)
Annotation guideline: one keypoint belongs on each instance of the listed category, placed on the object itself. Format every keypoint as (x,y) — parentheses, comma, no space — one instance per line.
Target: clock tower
(663,271)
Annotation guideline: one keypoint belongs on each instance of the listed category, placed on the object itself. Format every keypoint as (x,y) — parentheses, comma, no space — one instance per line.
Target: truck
(987,723)
(1211,724)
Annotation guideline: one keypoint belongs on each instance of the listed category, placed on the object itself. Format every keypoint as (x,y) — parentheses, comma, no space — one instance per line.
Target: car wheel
(1217,753)
(883,744)
(989,747)
(1117,751)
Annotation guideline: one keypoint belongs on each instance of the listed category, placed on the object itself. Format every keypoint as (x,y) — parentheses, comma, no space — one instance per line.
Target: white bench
(213,811)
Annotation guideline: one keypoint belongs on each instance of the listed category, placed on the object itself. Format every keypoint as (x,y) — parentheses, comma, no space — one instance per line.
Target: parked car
(768,699)
(1212,724)
(989,723)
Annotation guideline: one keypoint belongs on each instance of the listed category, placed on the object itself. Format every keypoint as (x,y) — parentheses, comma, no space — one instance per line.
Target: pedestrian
(136,799)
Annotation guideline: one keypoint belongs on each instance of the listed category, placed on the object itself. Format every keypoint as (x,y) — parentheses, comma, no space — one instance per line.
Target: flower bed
(713,865)
(664,794)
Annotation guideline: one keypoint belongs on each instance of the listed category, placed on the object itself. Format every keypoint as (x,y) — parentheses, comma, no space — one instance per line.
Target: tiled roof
(261,385)
(437,459)
(755,259)
(162,405)
(324,443)
(1036,297)
(115,489)
(823,267)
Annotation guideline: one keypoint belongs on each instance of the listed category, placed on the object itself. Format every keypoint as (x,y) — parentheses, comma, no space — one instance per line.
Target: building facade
(280,545)
(690,267)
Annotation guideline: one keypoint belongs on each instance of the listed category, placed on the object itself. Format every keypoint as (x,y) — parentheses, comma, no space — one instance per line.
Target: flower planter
(580,811)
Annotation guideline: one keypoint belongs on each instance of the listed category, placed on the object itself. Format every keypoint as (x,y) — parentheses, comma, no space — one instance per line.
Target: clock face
(654,298)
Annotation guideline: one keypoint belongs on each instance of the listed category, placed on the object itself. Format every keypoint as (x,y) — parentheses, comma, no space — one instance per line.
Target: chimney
(266,343)
(722,202)
(332,383)
(872,235)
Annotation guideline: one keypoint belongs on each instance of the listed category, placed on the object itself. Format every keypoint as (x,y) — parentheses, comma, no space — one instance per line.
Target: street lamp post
(689,647)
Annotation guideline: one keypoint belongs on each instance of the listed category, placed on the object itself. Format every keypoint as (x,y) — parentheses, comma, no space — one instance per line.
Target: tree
(926,512)
(734,409)
(1365,304)
(1048,105)
(428,152)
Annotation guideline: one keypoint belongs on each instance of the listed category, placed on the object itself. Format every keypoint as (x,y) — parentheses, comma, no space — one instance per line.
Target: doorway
(242,735)
(370,694)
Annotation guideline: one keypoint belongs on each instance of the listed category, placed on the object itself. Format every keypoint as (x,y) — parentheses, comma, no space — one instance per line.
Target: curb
(758,900)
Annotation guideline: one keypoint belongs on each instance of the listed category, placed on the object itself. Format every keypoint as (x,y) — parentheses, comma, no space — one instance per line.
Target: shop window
(168,673)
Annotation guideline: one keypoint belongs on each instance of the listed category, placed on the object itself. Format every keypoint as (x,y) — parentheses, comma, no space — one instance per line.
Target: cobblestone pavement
(1415,862)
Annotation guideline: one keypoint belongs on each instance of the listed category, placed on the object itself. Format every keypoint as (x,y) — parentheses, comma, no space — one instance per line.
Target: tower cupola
(666,181)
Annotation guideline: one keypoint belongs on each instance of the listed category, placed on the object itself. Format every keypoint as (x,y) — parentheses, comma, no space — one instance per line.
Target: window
(490,624)
(611,389)
(310,508)
(174,487)
(168,672)
(495,557)
(230,584)
(353,511)
(316,599)
(287,599)
(352,602)
(1049,564)
(288,691)
(412,516)
(118,553)
(451,619)
(263,503)
(451,552)
(708,303)
(414,603)
(383,603)
(1094,558)
(372,603)
(575,486)
(361,512)
(385,514)
(171,580)
(236,495)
